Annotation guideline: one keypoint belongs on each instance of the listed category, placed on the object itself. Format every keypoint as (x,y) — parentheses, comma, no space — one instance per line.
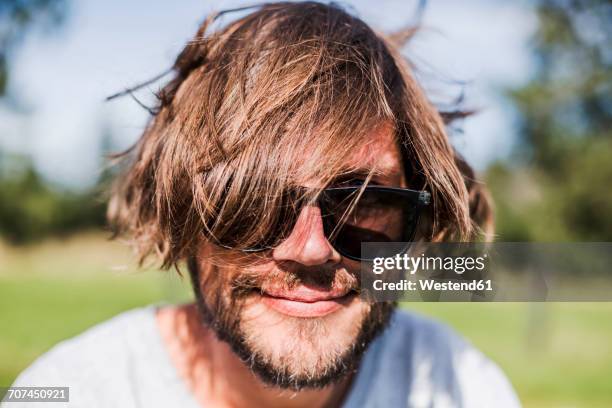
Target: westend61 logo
(412,264)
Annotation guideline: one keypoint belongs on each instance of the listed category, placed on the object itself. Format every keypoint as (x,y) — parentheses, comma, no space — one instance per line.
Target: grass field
(555,354)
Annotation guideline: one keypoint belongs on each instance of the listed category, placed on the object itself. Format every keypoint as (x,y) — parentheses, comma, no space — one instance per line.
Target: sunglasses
(351,216)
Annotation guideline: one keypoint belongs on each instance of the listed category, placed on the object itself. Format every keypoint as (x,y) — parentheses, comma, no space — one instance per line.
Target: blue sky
(106,46)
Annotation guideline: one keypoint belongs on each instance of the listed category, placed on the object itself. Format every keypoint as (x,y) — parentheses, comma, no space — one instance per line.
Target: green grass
(555,354)
(39,312)
(56,290)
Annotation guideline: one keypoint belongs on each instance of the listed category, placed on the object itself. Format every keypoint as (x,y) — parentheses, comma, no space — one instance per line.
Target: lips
(304,301)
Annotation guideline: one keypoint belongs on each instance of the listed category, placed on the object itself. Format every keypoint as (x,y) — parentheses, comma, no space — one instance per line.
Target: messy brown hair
(248,99)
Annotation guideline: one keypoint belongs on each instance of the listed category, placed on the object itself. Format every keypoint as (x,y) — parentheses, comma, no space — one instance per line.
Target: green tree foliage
(558,184)
(31,209)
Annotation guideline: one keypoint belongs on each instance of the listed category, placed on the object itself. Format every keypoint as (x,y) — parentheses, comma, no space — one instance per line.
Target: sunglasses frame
(422,199)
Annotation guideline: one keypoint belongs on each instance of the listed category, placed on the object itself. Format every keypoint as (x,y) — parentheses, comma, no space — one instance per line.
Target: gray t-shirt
(123,362)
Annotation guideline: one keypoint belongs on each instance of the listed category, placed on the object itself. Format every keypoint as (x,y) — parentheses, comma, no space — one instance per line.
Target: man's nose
(307,243)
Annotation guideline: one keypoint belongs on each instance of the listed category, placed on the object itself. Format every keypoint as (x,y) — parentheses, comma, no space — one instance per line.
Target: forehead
(378,154)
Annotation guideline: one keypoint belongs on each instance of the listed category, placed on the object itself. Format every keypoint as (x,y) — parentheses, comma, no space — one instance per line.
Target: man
(284,141)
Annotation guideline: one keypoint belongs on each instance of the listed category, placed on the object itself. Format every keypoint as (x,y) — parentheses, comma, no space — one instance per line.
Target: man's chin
(293,346)
(299,346)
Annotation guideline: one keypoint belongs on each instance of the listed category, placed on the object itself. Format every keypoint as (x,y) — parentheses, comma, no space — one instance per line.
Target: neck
(217,377)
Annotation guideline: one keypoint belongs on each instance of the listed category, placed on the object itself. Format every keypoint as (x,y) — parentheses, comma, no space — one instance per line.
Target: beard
(298,353)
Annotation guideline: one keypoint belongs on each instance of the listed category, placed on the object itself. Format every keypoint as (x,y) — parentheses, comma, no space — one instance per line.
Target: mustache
(287,276)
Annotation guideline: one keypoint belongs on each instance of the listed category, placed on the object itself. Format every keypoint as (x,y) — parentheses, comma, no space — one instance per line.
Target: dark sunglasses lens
(277,228)
(378,216)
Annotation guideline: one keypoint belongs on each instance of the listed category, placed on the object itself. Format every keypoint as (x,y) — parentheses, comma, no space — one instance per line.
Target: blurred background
(536,73)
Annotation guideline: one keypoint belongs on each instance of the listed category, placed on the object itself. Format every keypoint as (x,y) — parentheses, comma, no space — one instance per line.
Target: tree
(563,164)
(30,208)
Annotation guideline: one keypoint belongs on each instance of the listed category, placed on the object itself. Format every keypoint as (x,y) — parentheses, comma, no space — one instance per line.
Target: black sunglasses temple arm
(424,198)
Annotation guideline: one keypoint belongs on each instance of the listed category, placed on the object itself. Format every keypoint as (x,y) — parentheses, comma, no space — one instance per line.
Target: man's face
(295,317)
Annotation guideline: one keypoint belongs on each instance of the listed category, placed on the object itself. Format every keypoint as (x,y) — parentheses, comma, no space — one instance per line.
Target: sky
(63,77)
